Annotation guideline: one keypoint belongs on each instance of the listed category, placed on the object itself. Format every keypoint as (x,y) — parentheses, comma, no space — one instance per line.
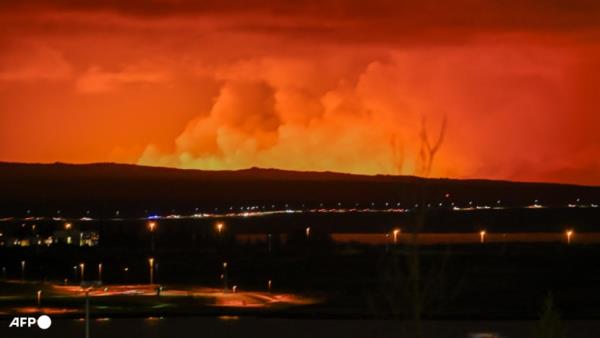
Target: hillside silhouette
(46,188)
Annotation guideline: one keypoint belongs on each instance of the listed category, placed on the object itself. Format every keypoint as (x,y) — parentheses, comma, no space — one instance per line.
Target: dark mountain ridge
(46,188)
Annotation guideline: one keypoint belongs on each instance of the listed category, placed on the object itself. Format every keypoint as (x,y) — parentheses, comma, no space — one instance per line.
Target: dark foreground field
(293,246)
(209,327)
(478,281)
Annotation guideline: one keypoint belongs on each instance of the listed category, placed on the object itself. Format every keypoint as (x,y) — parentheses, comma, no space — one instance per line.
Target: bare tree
(411,284)
(428,149)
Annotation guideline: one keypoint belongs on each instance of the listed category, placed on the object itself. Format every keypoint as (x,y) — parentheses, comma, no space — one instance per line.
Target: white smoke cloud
(269,113)
(305,114)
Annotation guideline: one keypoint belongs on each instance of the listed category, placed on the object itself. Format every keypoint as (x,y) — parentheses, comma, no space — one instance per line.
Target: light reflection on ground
(238,298)
(124,296)
(44,310)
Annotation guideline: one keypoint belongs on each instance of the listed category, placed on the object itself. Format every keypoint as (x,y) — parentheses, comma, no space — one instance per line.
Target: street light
(151,227)
(100,272)
(39,298)
(219,226)
(482,235)
(225,276)
(307,230)
(269,285)
(395,233)
(82,268)
(23,270)
(68,226)
(151,269)
(569,234)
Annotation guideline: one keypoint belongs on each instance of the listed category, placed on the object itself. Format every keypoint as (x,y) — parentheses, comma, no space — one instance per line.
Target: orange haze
(319,85)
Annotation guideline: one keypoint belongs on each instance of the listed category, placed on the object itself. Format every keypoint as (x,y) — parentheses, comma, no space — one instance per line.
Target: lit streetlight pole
(395,233)
(307,231)
(151,269)
(482,235)
(224,276)
(151,227)
(219,226)
(82,270)
(38,297)
(569,233)
(22,270)
(100,272)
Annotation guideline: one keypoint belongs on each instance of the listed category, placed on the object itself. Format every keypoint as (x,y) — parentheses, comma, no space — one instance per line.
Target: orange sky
(318,85)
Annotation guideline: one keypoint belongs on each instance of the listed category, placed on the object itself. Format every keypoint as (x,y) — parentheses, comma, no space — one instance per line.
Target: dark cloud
(355,16)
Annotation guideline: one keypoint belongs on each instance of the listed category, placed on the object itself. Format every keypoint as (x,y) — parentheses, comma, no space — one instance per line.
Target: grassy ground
(492,281)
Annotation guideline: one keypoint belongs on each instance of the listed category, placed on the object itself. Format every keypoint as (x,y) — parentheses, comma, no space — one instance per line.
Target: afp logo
(43,322)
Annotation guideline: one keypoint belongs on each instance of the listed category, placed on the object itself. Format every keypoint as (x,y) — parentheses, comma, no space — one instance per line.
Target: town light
(569,234)
(219,226)
(224,276)
(82,269)
(151,269)
(395,233)
(23,270)
(39,298)
(151,227)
